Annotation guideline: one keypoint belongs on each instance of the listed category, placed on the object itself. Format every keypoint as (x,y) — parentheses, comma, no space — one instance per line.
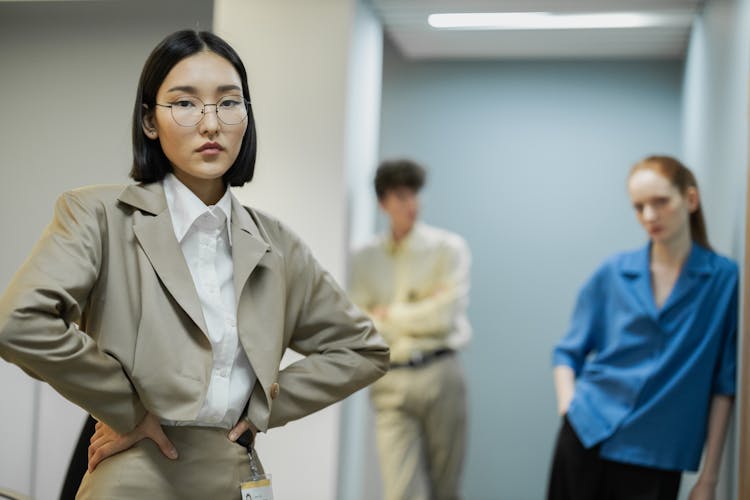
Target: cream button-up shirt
(204,234)
(423,282)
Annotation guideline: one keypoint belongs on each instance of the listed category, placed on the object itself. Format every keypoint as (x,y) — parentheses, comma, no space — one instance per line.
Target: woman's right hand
(106,442)
(565,382)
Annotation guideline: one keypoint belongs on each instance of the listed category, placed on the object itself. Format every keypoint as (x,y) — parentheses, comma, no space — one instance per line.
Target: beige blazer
(105,311)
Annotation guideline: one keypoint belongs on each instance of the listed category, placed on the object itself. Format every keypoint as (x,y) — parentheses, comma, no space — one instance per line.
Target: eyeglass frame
(203,111)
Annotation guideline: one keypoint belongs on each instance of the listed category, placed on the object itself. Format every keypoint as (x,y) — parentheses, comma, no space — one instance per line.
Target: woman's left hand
(243,425)
(703,490)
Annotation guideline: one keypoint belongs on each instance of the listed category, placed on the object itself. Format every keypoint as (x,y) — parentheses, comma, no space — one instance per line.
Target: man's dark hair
(393,174)
(149,162)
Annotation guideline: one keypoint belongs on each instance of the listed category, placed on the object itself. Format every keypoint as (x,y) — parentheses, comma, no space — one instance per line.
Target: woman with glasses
(163,308)
(645,377)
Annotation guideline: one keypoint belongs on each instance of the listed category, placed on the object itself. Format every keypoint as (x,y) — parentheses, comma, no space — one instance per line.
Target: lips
(210,147)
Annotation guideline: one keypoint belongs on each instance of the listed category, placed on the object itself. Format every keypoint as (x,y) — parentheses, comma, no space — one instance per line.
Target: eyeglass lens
(188,111)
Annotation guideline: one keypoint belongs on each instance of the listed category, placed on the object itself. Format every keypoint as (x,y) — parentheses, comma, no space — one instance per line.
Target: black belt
(418,359)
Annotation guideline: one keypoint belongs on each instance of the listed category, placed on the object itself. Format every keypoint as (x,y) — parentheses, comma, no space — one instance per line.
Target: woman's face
(199,154)
(659,206)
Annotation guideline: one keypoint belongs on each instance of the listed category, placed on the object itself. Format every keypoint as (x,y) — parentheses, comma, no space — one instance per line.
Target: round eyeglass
(189,111)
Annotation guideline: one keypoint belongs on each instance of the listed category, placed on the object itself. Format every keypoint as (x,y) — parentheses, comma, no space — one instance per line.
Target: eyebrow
(193,90)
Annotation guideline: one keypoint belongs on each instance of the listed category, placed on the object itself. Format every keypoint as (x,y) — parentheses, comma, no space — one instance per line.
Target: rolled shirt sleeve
(585,327)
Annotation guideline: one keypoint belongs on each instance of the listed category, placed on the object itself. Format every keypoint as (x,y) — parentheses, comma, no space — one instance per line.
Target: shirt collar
(638,262)
(185,207)
(407,242)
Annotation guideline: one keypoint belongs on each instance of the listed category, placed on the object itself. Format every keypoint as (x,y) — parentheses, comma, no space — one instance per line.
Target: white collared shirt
(204,233)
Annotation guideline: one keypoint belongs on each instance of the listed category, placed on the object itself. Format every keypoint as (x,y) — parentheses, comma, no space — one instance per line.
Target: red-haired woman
(645,376)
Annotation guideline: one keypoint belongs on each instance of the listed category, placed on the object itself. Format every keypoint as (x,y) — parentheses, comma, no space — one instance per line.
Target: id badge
(258,488)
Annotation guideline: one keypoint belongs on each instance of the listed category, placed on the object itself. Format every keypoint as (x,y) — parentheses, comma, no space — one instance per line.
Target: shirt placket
(403,287)
(219,384)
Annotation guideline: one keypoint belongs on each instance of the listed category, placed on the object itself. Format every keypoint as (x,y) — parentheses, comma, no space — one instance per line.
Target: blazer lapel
(256,318)
(247,246)
(157,239)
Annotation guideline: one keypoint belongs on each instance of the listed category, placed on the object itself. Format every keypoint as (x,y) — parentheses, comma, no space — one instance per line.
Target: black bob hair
(149,162)
(397,173)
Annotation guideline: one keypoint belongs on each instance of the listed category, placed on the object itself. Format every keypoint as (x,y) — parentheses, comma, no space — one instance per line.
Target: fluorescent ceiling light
(553,21)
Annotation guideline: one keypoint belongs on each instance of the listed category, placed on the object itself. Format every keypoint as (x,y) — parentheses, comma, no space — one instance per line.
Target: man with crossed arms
(413,281)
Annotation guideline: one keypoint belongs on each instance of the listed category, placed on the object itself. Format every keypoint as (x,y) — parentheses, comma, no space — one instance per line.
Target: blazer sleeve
(342,350)
(41,309)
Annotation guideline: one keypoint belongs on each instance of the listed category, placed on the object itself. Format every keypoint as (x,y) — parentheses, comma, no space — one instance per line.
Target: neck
(209,191)
(399,233)
(672,253)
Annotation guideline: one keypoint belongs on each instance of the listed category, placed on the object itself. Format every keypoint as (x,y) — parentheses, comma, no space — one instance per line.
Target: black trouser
(79,461)
(581,474)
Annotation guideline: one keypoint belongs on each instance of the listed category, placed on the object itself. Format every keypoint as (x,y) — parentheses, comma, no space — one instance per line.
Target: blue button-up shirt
(646,376)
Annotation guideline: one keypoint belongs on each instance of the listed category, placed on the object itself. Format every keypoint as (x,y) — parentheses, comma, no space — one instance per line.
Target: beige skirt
(209,467)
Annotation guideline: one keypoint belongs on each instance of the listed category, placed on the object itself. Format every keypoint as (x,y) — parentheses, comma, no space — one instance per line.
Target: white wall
(314,80)
(68,79)
(357,471)
(715,144)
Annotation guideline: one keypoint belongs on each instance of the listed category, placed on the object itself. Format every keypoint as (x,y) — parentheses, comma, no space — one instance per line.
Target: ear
(149,124)
(693,199)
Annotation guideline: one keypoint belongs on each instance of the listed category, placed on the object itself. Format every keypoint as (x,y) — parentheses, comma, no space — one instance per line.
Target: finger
(101,431)
(95,458)
(104,451)
(238,429)
(98,435)
(163,442)
(98,443)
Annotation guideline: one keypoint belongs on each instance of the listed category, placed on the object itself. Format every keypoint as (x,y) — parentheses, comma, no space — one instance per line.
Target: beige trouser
(420,421)
(209,467)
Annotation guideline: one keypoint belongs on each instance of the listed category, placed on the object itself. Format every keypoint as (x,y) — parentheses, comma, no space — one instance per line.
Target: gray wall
(715,117)
(68,79)
(528,161)
(715,140)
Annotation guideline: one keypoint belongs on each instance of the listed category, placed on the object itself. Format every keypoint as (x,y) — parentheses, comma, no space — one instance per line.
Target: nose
(649,213)
(412,205)
(210,122)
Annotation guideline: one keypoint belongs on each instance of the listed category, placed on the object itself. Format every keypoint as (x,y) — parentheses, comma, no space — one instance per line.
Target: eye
(230,102)
(184,103)
(638,207)
(661,201)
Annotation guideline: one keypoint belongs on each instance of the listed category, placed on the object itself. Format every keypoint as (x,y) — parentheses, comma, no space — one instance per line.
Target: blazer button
(274,390)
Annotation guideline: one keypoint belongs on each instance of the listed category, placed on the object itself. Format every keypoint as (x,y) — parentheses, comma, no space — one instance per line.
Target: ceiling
(405,23)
